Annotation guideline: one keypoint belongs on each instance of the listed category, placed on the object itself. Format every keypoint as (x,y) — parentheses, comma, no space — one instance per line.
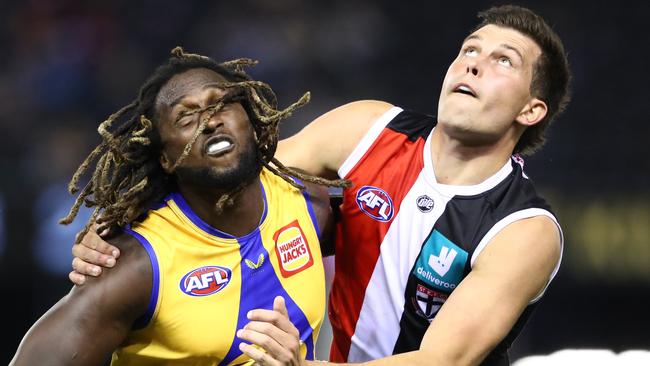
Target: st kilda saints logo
(427,302)
(424,203)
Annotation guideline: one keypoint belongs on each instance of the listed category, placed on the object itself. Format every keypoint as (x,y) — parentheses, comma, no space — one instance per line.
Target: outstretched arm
(86,325)
(512,270)
(323,145)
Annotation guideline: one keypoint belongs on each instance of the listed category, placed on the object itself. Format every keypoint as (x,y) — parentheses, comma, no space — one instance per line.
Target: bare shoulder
(350,121)
(130,280)
(103,310)
(538,236)
(362,110)
(122,292)
(132,251)
(323,145)
(531,247)
(508,274)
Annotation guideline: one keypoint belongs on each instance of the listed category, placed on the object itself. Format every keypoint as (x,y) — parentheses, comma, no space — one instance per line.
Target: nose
(213,121)
(472,66)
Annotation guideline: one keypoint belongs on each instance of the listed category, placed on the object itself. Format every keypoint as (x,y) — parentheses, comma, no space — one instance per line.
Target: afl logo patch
(424,203)
(205,281)
(375,202)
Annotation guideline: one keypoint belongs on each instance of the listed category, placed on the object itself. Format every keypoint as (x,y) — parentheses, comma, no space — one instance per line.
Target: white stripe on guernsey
(367,140)
(454,190)
(378,328)
(516,216)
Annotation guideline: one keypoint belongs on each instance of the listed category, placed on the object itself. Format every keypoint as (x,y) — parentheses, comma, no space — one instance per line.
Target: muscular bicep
(510,272)
(323,145)
(85,326)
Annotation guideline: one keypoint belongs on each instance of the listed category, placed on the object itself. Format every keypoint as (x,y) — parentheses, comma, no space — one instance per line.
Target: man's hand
(272,331)
(90,256)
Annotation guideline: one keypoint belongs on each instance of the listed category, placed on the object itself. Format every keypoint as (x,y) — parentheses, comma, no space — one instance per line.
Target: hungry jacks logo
(292,249)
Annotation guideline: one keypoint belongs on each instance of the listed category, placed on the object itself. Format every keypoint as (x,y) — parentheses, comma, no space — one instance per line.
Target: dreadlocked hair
(128,177)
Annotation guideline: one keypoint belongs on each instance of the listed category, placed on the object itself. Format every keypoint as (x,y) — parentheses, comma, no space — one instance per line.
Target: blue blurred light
(53,241)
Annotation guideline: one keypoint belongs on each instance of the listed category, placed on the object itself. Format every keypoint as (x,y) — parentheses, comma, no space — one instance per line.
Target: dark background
(66,65)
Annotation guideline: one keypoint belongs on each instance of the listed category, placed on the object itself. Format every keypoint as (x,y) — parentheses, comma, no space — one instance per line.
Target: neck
(459,164)
(238,219)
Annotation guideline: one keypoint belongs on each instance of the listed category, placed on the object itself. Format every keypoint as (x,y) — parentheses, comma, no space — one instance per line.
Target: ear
(165,163)
(533,112)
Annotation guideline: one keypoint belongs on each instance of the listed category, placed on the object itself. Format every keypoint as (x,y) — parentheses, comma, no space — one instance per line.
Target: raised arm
(85,326)
(323,145)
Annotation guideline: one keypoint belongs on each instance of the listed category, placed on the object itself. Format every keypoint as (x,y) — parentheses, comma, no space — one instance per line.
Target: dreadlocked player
(209,229)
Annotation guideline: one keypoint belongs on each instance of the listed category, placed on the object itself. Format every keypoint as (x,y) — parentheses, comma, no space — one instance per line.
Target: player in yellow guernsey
(209,224)
(205,280)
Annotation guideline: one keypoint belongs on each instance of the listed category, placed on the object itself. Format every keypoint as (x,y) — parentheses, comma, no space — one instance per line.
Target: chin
(457,121)
(462,129)
(244,169)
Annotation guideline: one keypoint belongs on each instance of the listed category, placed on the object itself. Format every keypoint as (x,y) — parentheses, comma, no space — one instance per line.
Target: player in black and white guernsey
(443,246)
(453,224)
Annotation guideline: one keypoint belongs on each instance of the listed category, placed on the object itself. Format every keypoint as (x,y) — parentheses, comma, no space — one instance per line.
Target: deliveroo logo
(441,263)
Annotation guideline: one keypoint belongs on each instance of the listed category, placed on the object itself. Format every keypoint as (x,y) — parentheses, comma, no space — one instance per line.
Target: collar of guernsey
(227,276)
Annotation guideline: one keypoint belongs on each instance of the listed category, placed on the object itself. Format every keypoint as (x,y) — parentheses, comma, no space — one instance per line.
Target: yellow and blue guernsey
(205,280)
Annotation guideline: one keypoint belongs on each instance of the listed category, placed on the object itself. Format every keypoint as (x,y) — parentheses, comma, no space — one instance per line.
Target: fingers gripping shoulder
(127,286)
(90,255)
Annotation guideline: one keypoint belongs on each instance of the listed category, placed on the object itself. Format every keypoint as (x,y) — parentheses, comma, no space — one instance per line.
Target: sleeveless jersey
(205,280)
(405,241)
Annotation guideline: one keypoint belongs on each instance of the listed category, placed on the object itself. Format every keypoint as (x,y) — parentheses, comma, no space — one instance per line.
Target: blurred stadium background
(65,65)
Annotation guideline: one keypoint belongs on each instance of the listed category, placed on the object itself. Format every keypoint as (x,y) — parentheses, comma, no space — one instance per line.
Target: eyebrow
(206,86)
(176,101)
(472,36)
(503,45)
(509,47)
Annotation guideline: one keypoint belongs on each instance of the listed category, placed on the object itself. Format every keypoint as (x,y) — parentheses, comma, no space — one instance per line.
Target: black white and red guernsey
(409,240)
